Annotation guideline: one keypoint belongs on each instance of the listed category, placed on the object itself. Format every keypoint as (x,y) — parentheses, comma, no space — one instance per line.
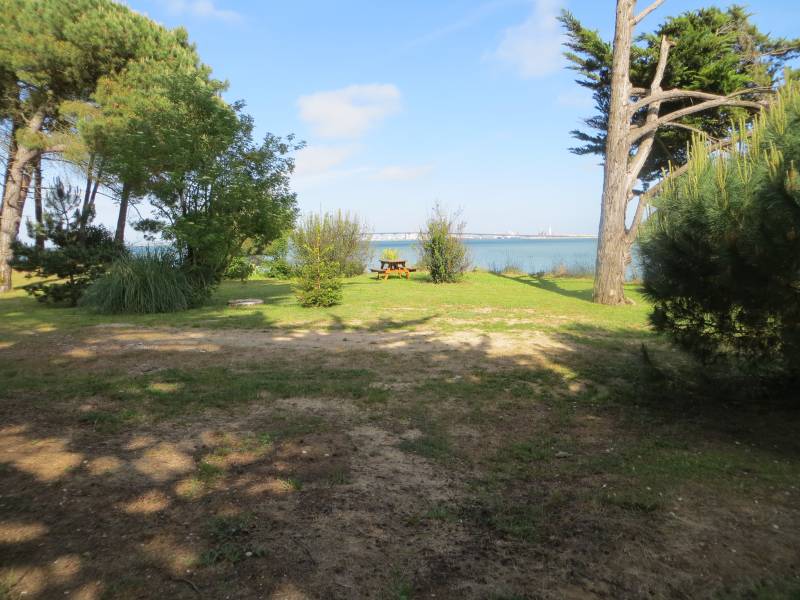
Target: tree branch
(636,163)
(677,94)
(37,120)
(638,18)
(637,133)
(55,149)
(696,130)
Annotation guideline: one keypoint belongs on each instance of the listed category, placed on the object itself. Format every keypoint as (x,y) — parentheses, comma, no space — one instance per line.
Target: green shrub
(442,252)
(390,254)
(319,278)
(345,238)
(152,282)
(241,268)
(275,262)
(79,252)
(319,284)
(721,254)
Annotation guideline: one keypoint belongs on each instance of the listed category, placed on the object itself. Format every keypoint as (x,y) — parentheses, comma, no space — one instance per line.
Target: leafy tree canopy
(238,196)
(155,118)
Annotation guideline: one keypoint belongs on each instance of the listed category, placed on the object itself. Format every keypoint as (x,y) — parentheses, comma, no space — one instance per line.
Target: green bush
(721,254)
(319,284)
(78,252)
(345,238)
(240,267)
(151,282)
(390,254)
(319,278)
(275,263)
(442,252)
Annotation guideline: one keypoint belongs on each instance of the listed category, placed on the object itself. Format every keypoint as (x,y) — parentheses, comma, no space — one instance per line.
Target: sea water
(527,255)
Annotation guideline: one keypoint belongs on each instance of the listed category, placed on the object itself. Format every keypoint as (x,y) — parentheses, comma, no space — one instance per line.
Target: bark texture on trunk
(37,199)
(611,243)
(14,194)
(119,235)
(12,149)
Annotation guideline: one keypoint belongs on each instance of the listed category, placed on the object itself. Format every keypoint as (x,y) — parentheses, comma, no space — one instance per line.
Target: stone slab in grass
(243,302)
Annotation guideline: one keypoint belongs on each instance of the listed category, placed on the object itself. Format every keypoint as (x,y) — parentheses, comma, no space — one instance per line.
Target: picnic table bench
(393,267)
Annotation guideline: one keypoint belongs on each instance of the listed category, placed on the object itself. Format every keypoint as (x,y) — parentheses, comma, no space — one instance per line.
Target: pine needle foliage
(319,280)
(78,251)
(721,254)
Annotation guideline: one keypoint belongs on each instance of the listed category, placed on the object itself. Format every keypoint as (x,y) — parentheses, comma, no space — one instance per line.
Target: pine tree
(53,55)
(721,254)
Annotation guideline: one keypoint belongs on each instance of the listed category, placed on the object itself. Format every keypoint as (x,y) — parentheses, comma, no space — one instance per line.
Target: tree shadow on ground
(549,285)
(358,463)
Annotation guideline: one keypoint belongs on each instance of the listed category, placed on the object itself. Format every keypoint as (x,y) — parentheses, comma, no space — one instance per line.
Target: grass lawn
(498,438)
(368,303)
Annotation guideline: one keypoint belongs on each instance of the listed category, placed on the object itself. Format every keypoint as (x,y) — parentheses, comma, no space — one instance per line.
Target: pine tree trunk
(87,192)
(12,149)
(14,195)
(119,236)
(37,199)
(612,243)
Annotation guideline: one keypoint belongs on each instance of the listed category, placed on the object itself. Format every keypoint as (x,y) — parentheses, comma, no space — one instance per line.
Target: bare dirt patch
(473,474)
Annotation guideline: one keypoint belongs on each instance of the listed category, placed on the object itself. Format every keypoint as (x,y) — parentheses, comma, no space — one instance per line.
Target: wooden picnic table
(393,267)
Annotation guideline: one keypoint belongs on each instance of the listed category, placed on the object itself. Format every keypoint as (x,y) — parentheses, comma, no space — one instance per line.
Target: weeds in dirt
(292,484)
(441,512)
(230,537)
(430,445)
(208,473)
(399,586)
(169,393)
(108,422)
(338,477)
(770,589)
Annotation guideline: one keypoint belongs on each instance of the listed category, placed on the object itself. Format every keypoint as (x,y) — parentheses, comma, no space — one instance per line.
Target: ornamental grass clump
(150,282)
(721,253)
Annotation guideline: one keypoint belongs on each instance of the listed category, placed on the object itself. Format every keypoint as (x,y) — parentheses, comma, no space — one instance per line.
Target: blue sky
(403,104)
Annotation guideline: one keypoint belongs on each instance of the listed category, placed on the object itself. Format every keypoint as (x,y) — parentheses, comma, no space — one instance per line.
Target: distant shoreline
(411,236)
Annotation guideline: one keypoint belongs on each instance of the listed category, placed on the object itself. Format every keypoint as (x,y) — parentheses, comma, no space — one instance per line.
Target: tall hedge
(721,253)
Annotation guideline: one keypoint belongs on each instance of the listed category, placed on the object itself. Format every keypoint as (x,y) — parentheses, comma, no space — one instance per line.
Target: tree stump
(242,302)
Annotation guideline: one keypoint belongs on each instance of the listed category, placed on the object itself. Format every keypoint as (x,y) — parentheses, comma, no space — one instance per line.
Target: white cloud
(533,48)
(313,160)
(203,9)
(349,112)
(402,173)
